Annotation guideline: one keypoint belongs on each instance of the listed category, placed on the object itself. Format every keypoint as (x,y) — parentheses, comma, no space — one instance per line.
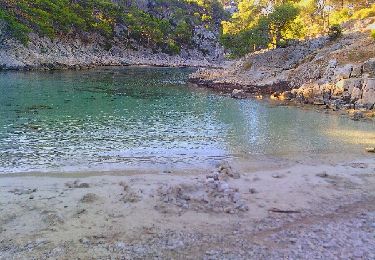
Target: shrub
(373,34)
(172,47)
(335,32)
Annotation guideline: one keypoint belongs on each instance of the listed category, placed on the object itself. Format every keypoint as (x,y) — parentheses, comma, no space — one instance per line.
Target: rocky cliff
(75,53)
(122,32)
(339,74)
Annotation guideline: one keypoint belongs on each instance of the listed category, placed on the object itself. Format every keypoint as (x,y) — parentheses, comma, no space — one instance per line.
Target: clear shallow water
(113,118)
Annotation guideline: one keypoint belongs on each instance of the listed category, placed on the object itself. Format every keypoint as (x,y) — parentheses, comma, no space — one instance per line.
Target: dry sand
(285,209)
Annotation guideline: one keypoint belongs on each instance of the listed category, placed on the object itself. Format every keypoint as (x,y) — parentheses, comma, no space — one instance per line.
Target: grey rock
(238,94)
(368,96)
(369,68)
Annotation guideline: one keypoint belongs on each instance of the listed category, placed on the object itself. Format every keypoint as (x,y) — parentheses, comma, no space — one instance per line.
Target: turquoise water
(114,118)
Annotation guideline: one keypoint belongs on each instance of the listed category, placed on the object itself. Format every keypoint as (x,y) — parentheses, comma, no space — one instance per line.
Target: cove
(121,117)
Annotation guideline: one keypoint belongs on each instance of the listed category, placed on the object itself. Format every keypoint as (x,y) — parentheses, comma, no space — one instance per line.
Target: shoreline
(232,211)
(266,94)
(81,67)
(246,162)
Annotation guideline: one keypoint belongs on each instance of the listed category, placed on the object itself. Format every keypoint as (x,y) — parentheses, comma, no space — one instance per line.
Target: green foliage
(373,34)
(166,25)
(335,32)
(183,32)
(274,29)
(280,20)
(364,13)
(172,47)
(17,29)
(263,24)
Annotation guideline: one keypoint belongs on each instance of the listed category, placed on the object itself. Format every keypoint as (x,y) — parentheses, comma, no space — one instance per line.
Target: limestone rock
(356,94)
(349,84)
(357,115)
(238,93)
(368,96)
(344,72)
(357,71)
(369,68)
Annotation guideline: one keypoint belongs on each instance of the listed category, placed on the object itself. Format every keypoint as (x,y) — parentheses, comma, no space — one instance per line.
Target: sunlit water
(114,118)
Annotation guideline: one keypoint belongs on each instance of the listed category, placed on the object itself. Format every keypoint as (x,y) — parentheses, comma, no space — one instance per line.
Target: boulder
(357,71)
(343,72)
(238,94)
(356,94)
(368,96)
(306,91)
(349,84)
(338,89)
(357,115)
(369,68)
(287,95)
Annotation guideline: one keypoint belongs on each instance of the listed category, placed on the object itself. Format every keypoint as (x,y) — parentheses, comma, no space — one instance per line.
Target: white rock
(238,93)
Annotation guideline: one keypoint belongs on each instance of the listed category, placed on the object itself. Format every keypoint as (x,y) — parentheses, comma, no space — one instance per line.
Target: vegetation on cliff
(164,24)
(261,24)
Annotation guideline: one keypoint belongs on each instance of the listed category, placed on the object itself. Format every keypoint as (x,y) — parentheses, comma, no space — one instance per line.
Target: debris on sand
(214,194)
(23,191)
(89,198)
(77,185)
(323,175)
(129,195)
(226,170)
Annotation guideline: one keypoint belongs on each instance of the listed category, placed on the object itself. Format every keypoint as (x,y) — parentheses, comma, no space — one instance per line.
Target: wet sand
(238,210)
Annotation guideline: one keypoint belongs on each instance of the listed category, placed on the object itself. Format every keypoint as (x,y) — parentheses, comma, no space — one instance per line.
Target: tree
(279,21)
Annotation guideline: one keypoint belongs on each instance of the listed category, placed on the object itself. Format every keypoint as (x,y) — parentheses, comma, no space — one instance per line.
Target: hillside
(65,33)
(337,73)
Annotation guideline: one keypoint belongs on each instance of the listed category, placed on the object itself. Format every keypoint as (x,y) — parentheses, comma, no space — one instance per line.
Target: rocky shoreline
(311,77)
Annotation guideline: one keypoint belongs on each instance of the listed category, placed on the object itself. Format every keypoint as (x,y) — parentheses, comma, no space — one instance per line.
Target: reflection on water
(121,117)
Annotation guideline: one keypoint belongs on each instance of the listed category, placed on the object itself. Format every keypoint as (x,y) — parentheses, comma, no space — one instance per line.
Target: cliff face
(174,42)
(339,74)
(76,53)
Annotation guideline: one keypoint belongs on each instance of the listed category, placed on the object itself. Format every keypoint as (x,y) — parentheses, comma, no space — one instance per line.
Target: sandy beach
(284,209)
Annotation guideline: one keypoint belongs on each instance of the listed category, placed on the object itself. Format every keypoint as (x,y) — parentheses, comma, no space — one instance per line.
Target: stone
(287,95)
(238,94)
(348,84)
(343,72)
(23,191)
(356,94)
(369,68)
(318,102)
(368,96)
(357,71)
(306,91)
(236,197)
(322,175)
(234,175)
(89,198)
(357,115)
(223,186)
